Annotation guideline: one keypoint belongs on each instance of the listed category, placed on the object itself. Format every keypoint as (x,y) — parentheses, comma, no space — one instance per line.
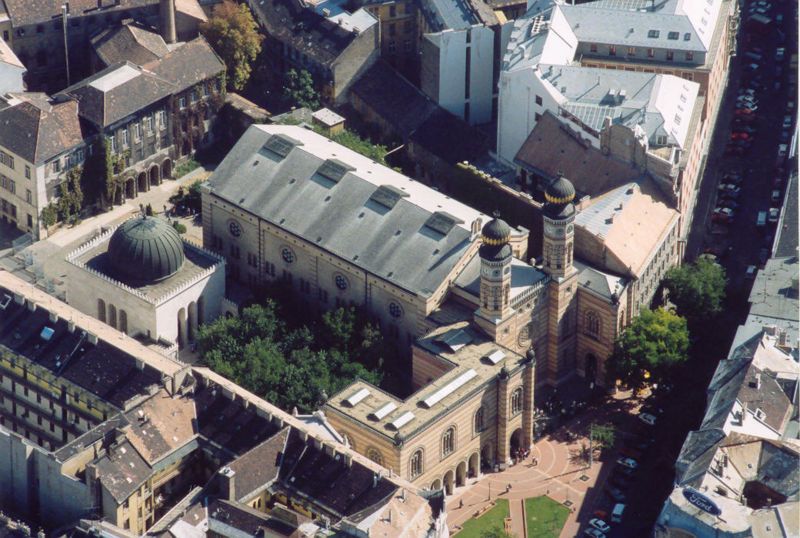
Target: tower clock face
(569,229)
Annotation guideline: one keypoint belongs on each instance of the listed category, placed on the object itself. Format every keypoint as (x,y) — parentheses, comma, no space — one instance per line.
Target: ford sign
(701,501)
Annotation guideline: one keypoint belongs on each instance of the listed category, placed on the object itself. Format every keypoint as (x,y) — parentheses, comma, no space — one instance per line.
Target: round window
(395,310)
(287,255)
(341,282)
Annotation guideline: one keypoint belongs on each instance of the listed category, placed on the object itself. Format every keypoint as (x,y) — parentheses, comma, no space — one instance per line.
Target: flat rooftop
(476,361)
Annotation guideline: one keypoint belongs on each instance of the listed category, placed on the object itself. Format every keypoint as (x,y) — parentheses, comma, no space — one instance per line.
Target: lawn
(545,517)
(474,528)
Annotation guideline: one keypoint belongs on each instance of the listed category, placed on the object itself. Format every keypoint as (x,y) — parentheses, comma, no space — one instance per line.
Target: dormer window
(673,35)
(653,33)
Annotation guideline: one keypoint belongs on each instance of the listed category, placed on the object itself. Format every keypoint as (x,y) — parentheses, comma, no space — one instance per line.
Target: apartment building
(95,426)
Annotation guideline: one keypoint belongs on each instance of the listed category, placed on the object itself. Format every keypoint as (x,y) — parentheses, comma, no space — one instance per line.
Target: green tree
(602,435)
(697,290)
(299,90)
(49,215)
(292,364)
(233,33)
(647,351)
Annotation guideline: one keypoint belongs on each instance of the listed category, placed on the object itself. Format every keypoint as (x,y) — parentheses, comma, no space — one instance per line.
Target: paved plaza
(555,467)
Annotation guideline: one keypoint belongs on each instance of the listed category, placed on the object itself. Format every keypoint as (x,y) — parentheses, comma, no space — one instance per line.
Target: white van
(761,219)
(616,513)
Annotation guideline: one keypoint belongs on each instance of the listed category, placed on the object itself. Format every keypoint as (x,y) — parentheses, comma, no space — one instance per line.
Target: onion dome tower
(495,279)
(559,230)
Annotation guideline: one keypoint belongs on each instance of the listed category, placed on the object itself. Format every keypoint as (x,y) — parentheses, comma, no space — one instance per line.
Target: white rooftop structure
(115,78)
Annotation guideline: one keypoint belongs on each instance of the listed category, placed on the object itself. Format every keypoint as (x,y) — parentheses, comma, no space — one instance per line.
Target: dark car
(615,493)
(763,256)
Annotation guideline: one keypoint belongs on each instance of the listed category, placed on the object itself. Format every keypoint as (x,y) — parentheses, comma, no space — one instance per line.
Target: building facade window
(375,455)
(416,464)
(479,420)
(27,172)
(593,47)
(449,441)
(592,324)
(287,255)
(395,310)
(516,401)
(341,282)
(612,50)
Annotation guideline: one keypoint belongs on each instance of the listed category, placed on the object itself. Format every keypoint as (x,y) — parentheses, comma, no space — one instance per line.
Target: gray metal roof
(632,28)
(774,293)
(400,244)
(598,281)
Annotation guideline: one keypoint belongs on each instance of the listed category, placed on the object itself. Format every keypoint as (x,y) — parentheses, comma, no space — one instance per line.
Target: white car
(648,419)
(782,149)
(630,463)
(594,533)
(774,215)
(599,524)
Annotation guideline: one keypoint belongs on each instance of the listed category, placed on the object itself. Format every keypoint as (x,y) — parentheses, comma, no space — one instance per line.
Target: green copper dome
(145,249)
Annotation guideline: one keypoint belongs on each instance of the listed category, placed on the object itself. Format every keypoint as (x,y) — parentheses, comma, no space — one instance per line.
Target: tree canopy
(233,33)
(293,366)
(650,347)
(299,90)
(697,290)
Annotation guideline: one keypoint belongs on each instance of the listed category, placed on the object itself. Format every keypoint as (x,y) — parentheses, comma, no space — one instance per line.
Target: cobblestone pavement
(554,468)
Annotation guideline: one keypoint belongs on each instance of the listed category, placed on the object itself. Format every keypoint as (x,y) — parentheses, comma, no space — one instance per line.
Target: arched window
(101,310)
(516,401)
(449,441)
(479,420)
(417,467)
(123,321)
(375,455)
(592,324)
(112,315)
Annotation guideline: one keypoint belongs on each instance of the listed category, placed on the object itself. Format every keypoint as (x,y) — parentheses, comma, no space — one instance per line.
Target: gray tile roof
(51,129)
(122,471)
(604,284)
(24,12)
(117,92)
(345,218)
(188,64)
(129,42)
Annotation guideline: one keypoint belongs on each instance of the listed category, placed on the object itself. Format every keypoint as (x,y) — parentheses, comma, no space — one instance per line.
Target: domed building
(145,280)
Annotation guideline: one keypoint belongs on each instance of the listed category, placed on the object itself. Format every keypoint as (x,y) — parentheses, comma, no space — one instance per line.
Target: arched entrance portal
(590,368)
(448,482)
(166,169)
(474,465)
(516,441)
(155,175)
(436,485)
(142,183)
(461,474)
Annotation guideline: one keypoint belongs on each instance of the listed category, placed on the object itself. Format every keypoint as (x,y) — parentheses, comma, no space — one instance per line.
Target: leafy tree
(49,215)
(294,363)
(602,435)
(190,197)
(179,227)
(298,89)
(698,289)
(233,33)
(648,349)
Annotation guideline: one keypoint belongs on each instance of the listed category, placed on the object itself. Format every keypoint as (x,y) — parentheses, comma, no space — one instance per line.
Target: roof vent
(334,170)
(442,222)
(402,420)
(357,397)
(495,356)
(454,340)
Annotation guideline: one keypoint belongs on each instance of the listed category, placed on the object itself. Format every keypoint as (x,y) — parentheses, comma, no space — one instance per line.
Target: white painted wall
(453,77)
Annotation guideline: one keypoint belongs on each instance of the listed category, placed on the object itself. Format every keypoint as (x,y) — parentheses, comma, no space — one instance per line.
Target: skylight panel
(653,33)
(384,410)
(442,222)
(495,356)
(279,145)
(448,389)
(357,397)
(454,340)
(387,196)
(402,420)
(334,170)
(673,35)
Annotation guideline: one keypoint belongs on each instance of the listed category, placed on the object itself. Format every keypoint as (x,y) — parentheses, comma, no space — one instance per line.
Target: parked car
(630,452)
(600,514)
(729,188)
(780,54)
(787,121)
(615,493)
(775,196)
(594,533)
(774,215)
(750,272)
(732,177)
(782,149)
(625,471)
(617,513)
(599,524)
(723,202)
(630,463)
(647,418)
(642,443)
(763,256)
(621,481)
(786,135)
(743,111)
(738,135)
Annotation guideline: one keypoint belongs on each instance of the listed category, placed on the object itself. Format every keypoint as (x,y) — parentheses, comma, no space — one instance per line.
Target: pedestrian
(461,503)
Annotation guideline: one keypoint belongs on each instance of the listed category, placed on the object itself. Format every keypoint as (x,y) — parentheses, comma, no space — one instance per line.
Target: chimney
(167,16)
(227,483)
